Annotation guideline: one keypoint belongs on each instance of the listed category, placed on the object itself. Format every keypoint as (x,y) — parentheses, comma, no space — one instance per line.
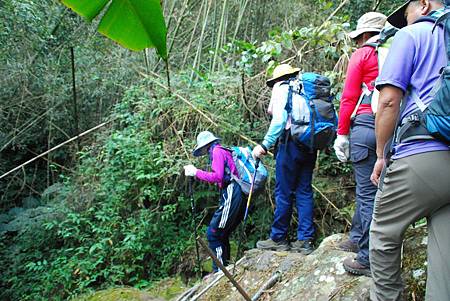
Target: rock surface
(318,276)
(19,219)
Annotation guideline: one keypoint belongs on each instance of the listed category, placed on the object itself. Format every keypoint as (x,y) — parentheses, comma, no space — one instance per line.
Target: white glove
(190,171)
(258,152)
(342,148)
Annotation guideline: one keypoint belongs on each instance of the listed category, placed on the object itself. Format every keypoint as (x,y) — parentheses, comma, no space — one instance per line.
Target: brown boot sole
(358,272)
(349,250)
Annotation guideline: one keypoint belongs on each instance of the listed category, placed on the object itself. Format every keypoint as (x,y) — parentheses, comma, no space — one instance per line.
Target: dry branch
(55,148)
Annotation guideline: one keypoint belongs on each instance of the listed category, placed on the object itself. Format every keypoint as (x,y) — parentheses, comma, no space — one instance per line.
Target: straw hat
(203,139)
(369,22)
(280,71)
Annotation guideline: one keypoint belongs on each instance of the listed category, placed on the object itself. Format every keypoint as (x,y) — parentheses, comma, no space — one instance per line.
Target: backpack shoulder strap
(386,34)
(426,19)
(371,44)
(229,149)
(419,103)
(288,106)
(445,20)
(365,91)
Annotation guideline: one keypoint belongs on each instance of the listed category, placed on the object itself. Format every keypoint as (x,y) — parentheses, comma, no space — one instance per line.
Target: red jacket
(362,68)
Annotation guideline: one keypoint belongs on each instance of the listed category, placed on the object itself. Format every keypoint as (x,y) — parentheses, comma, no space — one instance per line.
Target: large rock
(318,276)
(21,219)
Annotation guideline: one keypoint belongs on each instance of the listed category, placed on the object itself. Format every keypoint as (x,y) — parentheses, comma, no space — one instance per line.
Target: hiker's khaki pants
(414,187)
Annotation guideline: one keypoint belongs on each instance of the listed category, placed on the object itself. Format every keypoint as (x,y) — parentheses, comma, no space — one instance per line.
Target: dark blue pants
(294,171)
(363,156)
(225,220)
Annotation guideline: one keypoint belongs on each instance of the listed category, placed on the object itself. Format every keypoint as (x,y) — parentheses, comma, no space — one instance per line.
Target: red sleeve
(362,67)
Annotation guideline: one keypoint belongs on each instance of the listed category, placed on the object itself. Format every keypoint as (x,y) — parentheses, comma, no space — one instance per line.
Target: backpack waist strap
(412,128)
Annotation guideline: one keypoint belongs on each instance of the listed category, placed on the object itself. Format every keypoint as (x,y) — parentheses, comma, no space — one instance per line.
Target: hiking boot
(269,244)
(303,246)
(348,246)
(352,266)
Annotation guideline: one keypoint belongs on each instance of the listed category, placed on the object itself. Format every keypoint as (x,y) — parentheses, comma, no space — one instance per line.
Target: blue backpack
(314,123)
(432,121)
(245,165)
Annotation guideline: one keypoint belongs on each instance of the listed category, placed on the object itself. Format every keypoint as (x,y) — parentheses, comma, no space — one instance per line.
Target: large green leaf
(134,24)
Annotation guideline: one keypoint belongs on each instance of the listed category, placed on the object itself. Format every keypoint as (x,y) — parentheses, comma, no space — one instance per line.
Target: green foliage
(330,38)
(121,216)
(104,236)
(143,18)
(36,103)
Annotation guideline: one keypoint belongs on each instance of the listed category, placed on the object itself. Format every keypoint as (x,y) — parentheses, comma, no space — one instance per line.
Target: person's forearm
(387,115)
(276,127)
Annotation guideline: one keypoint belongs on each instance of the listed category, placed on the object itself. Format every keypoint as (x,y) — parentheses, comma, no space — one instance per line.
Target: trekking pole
(224,270)
(246,212)
(191,196)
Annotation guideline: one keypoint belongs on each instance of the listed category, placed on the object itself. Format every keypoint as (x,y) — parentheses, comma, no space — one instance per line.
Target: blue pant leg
(215,243)
(365,194)
(363,156)
(285,183)
(215,237)
(225,220)
(235,216)
(304,195)
(356,229)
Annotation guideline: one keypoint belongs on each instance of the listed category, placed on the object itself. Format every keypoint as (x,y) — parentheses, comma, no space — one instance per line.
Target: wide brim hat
(204,139)
(281,71)
(369,22)
(398,18)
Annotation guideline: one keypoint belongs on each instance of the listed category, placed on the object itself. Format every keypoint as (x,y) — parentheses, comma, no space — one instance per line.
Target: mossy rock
(167,288)
(119,294)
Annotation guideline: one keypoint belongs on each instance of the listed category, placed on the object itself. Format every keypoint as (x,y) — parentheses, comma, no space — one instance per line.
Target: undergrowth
(123,217)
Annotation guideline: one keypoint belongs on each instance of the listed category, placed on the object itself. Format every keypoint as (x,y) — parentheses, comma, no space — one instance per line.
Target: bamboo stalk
(193,106)
(224,270)
(74,97)
(219,35)
(331,203)
(343,3)
(199,48)
(25,127)
(242,7)
(54,148)
(267,285)
(214,282)
(177,27)
(188,48)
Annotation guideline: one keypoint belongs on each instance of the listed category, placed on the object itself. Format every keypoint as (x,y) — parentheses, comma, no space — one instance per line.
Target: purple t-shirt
(414,62)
